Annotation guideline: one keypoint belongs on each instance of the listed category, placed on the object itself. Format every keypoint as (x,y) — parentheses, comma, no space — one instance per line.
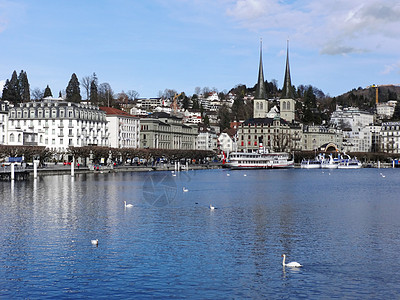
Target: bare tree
(85,81)
(132,95)
(197,90)
(106,94)
(37,94)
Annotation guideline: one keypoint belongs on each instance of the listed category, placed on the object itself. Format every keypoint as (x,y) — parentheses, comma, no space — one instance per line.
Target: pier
(13,172)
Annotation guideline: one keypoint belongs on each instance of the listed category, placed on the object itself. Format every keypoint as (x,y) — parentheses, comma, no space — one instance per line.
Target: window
(12,137)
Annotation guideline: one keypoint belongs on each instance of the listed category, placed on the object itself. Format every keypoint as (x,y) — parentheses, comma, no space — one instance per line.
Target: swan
(291,264)
(212,207)
(128,205)
(95,242)
(228,174)
(185,189)
(244,175)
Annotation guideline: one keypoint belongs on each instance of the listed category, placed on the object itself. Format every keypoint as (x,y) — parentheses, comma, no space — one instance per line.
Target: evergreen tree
(396,113)
(23,87)
(94,94)
(11,90)
(47,92)
(73,91)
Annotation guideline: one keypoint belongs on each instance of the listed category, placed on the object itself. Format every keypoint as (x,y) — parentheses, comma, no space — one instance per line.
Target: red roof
(115,111)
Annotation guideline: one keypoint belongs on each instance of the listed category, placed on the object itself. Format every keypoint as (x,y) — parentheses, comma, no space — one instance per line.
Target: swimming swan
(212,207)
(292,264)
(95,242)
(128,205)
(185,189)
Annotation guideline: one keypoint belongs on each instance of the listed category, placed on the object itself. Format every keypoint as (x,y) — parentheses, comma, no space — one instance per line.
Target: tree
(94,95)
(396,113)
(73,91)
(23,87)
(86,82)
(11,90)
(224,116)
(133,95)
(106,95)
(47,92)
(37,94)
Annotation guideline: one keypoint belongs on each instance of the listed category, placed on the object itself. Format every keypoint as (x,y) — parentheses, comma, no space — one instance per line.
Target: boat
(311,163)
(349,163)
(262,159)
(330,162)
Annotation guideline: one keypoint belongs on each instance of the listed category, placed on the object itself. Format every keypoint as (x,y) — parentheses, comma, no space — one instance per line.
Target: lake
(343,226)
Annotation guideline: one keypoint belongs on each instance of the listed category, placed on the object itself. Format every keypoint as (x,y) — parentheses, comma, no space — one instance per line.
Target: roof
(263,121)
(115,111)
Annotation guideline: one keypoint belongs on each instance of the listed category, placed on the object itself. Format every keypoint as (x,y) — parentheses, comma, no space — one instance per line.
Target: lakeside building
(314,136)
(267,128)
(206,139)
(123,128)
(57,124)
(227,140)
(390,137)
(3,122)
(163,131)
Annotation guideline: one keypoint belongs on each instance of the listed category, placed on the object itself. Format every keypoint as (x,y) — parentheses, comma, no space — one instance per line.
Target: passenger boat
(263,159)
(330,163)
(352,163)
(311,163)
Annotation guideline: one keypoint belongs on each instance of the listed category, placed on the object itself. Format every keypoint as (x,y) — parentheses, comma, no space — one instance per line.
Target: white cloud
(388,69)
(333,27)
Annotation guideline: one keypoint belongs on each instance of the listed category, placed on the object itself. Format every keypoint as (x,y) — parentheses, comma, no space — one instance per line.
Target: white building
(390,137)
(123,128)
(207,140)
(227,141)
(386,110)
(192,116)
(3,122)
(352,118)
(57,124)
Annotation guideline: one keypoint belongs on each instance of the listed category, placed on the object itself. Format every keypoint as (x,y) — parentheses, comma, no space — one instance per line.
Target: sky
(152,45)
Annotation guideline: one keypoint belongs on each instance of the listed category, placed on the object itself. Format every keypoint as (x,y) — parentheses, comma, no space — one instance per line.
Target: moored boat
(259,160)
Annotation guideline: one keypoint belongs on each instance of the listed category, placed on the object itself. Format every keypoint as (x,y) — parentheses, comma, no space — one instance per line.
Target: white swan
(128,205)
(292,264)
(228,174)
(212,207)
(185,189)
(95,242)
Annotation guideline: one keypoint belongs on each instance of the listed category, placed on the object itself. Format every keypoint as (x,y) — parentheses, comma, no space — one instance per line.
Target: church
(278,133)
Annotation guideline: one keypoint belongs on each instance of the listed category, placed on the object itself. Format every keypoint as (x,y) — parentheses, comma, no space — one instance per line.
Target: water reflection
(331,224)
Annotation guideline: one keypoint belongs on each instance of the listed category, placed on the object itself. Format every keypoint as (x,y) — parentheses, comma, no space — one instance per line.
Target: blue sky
(152,45)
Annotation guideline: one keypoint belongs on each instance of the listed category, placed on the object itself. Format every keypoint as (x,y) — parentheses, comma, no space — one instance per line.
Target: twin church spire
(287,90)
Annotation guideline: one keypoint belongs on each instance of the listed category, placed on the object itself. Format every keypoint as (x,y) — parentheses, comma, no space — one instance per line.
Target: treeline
(95,153)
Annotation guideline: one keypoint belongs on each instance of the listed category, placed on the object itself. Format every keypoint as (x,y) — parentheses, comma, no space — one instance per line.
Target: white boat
(349,163)
(310,164)
(259,160)
(330,163)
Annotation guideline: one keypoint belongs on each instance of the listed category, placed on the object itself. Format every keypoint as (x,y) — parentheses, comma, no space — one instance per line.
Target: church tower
(287,103)
(260,105)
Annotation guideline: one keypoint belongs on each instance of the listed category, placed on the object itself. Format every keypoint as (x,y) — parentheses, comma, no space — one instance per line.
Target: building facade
(3,122)
(315,136)
(123,128)
(163,131)
(57,125)
(390,137)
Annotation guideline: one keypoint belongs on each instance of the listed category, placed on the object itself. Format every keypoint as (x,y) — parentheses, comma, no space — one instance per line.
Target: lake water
(343,226)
